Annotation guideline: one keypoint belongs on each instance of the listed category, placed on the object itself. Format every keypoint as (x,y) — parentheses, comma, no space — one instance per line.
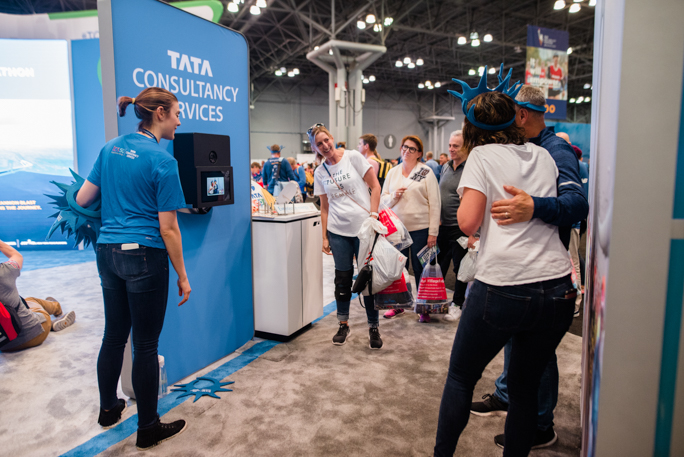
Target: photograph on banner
(546,67)
(37,138)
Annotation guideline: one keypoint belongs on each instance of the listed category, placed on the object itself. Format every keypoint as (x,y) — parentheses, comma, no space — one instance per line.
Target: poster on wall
(37,139)
(547,67)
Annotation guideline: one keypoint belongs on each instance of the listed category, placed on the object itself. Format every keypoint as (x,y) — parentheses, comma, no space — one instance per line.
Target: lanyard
(147,132)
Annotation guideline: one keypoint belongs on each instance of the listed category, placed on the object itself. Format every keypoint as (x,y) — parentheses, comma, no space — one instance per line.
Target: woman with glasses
(343,181)
(412,191)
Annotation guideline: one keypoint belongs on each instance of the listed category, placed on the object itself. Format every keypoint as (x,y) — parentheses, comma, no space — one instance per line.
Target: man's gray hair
(456,133)
(532,95)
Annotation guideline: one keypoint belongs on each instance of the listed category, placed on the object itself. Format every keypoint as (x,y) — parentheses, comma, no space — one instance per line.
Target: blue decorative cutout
(281,149)
(210,391)
(82,223)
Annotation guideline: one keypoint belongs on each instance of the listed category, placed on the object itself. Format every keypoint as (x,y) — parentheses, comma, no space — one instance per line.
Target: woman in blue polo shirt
(141,191)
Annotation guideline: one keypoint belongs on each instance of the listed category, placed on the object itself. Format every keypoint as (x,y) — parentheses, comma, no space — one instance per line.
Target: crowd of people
(508,180)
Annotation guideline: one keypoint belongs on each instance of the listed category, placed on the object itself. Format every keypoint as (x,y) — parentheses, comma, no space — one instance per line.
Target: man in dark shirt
(569,207)
(449,232)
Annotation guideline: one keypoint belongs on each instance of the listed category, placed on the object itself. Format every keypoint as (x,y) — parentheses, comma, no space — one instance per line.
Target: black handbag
(365,276)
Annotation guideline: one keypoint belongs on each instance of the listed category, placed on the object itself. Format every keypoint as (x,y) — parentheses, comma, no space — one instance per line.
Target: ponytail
(146,103)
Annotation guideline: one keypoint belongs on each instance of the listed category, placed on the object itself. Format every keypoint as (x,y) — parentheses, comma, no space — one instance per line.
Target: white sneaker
(454,313)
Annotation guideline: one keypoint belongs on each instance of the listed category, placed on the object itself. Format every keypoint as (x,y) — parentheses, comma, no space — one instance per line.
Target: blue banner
(36,139)
(547,67)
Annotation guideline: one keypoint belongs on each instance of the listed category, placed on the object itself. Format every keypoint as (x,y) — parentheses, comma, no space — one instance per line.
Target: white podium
(288,273)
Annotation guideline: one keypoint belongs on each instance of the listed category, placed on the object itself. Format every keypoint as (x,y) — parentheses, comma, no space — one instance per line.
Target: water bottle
(163,381)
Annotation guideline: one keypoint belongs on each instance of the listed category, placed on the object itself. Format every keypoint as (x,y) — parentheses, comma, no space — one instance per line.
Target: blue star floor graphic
(191,388)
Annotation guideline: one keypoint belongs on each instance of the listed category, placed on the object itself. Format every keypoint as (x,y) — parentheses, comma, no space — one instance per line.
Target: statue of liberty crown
(470,93)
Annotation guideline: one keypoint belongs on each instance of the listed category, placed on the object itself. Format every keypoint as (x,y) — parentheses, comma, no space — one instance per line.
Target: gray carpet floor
(302,398)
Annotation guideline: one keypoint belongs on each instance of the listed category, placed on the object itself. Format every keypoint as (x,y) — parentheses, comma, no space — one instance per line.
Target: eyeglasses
(410,149)
(315,126)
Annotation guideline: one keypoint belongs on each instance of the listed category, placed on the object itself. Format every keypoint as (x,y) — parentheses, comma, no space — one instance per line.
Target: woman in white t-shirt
(522,290)
(343,181)
(412,191)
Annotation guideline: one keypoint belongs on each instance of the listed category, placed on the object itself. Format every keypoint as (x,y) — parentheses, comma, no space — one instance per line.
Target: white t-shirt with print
(520,253)
(344,216)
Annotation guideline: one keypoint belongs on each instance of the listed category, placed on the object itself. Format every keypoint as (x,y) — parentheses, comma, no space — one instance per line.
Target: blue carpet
(38,260)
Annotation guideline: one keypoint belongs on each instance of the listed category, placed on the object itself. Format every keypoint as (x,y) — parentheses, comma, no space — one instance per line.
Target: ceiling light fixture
(377,27)
(278,73)
(421,86)
(370,18)
(471,72)
(592,2)
(291,74)
(371,78)
(388,21)
(399,64)
(491,71)
(580,99)
(407,60)
(488,38)
(283,69)
(587,86)
(559,5)
(475,43)
(232,7)
(480,71)
(366,80)
(330,52)
(295,71)
(438,84)
(261,3)
(361,24)
(569,51)
(411,65)
(428,83)
(474,36)
(462,40)
(254,10)
(587,100)
(575,7)
(430,87)
(572,100)
(419,62)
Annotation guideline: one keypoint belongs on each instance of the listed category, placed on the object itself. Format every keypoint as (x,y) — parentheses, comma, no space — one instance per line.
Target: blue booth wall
(580,135)
(217,246)
(88,110)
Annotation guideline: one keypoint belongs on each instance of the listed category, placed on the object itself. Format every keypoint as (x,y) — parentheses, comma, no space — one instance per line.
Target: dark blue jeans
(135,286)
(419,238)
(535,317)
(344,248)
(548,388)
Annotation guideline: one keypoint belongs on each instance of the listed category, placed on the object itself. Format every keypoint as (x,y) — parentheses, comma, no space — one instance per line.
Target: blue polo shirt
(137,179)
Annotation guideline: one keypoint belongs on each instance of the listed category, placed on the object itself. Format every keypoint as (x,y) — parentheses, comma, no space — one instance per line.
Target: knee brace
(343,284)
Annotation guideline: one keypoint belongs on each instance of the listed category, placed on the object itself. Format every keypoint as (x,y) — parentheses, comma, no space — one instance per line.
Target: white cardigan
(420,206)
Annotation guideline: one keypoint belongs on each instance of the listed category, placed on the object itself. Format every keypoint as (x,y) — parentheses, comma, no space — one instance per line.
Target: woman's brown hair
(312,137)
(492,108)
(146,103)
(416,140)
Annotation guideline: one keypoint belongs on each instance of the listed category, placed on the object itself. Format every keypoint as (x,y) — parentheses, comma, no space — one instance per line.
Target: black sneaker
(109,419)
(152,436)
(375,342)
(542,439)
(341,336)
(491,406)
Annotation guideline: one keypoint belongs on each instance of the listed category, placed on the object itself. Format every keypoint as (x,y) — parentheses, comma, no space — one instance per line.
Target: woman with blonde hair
(342,181)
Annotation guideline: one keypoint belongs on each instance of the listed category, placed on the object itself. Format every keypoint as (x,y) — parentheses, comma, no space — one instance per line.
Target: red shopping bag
(396,295)
(432,297)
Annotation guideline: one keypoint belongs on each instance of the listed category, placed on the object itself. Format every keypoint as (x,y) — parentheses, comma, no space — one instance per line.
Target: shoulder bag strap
(343,191)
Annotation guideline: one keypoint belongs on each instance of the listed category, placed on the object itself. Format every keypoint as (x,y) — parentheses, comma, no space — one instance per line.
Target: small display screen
(215,186)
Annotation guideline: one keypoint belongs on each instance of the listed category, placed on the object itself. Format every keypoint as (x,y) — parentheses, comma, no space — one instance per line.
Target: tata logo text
(199,97)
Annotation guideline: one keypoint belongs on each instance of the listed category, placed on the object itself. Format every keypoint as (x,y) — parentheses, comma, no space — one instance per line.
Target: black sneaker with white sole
(109,419)
(341,336)
(491,406)
(157,434)
(374,340)
(542,439)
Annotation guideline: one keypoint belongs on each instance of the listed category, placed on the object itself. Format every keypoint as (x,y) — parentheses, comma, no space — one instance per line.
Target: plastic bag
(399,294)
(468,267)
(388,264)
(366,235)
(432,296)
(397,234)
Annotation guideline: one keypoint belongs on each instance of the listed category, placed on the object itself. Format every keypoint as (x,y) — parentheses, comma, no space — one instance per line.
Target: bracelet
(374,214)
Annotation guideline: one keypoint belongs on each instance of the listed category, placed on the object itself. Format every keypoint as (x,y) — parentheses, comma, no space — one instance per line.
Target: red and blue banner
(547,67)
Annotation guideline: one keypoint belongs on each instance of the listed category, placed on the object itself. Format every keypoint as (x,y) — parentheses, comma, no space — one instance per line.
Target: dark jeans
(135,286)
(344,248)
(535,316)
(548,388)
(449,250)
(419,238)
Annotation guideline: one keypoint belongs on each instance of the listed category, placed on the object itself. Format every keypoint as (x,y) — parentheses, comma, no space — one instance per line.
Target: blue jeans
(419,238)
(344,248)
(535,317)
(135,286)
(548,388)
